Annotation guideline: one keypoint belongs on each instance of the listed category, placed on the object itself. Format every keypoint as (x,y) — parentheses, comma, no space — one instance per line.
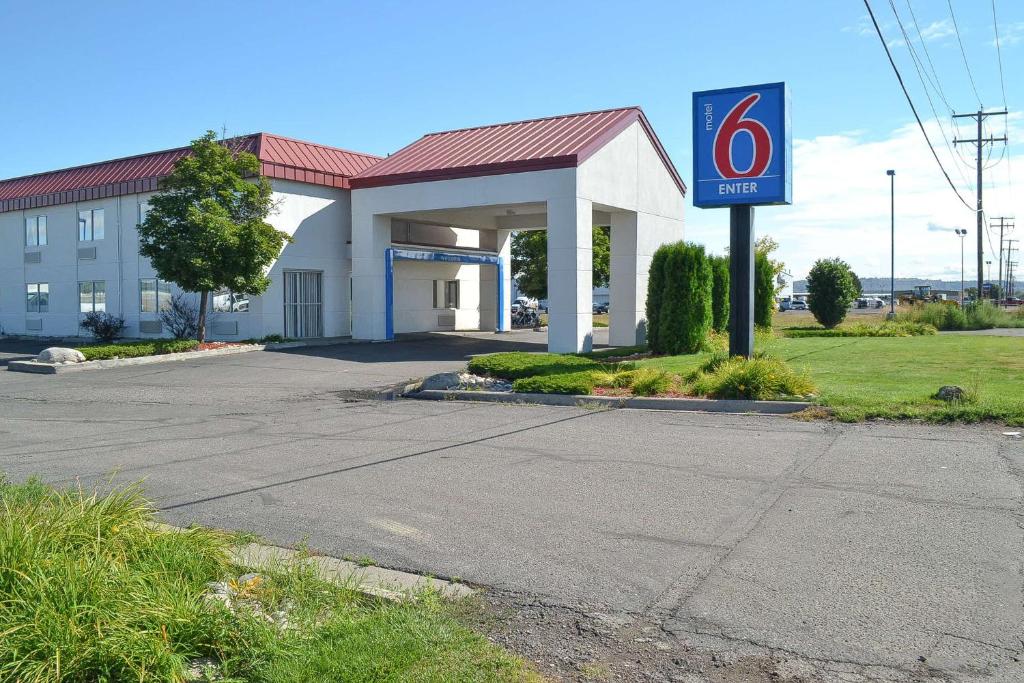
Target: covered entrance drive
(563,175)
(441,292)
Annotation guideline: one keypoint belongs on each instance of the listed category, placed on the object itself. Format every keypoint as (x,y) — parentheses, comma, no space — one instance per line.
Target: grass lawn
(865,377)
(92,591)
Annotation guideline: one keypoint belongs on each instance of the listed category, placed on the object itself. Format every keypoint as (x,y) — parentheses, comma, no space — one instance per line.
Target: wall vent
(150,327)
(34,325)
(87,253)
(33,256)
(446,321)
(224,327)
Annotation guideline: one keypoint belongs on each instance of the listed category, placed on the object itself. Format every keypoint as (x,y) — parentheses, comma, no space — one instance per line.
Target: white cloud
(841,206)
(1010,34)
(938,30)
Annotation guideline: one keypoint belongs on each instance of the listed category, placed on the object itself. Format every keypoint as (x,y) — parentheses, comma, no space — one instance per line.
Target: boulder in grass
(441,381)
(950,392)
(56,354)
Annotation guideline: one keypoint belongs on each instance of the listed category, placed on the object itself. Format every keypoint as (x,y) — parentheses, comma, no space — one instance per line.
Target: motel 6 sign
(742,153)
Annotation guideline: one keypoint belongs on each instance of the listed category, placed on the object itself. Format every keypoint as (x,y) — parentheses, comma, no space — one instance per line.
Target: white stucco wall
(317,217)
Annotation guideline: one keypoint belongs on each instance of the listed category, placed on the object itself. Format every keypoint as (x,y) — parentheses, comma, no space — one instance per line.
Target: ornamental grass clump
(760,378)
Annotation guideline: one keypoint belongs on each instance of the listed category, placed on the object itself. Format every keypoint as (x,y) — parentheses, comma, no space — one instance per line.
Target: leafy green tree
(764,289)
(530,260)
(830,289)
(720,293)
(655,289)
(685,317)
(856,283)
(206,228)
(766,246)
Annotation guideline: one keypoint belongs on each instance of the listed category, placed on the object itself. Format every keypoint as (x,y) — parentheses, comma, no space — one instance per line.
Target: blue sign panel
(742,153)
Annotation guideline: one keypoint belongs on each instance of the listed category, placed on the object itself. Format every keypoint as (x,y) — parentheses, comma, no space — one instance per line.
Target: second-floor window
(90,225)
(92,296)
(37,297)
(35,231)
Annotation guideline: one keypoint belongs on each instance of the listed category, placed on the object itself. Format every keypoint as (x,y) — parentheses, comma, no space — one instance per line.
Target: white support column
(504,249)
(570,275)
(371,235)
(628,290)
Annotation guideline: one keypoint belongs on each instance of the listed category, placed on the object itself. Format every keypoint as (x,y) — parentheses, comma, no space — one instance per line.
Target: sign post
(742,158)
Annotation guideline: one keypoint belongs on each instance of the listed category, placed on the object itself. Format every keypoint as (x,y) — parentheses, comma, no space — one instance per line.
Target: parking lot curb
(702,405)
(35,367)
(379,582)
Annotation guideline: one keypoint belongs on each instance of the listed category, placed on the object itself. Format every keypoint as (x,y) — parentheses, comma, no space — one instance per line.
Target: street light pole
(892,243)
(962,233)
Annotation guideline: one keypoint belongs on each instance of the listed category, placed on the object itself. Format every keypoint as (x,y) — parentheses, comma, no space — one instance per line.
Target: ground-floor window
(446,293)
(154,295)
(226,301)
(37,297)
(92,296)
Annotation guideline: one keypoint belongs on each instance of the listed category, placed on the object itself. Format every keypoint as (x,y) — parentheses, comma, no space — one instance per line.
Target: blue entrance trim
(391,254)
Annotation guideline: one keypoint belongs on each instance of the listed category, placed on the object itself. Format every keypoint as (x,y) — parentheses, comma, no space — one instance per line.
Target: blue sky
(125,78)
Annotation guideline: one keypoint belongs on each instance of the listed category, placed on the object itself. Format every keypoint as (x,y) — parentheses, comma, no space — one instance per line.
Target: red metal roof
(280,157)
(534,145)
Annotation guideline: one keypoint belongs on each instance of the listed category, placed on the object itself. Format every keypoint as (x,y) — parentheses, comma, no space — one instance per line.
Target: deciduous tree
(206,228)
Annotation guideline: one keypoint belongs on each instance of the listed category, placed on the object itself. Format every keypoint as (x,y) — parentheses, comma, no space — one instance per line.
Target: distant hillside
(881,284)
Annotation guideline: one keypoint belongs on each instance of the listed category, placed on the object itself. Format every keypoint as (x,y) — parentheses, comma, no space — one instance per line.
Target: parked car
(798,305)
(600,308)
(525,301)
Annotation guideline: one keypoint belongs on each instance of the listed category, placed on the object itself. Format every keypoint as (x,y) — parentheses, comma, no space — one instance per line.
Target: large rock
(950,392)
(441,381)
(56,354)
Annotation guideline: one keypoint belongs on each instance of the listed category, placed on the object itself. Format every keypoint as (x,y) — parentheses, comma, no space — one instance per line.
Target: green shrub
(567,383)
(91,592)
(685,317)
(518,364)
(979,316)
(985,316)
(655,289)
(650,382)
(760,378)
(898,328)
(136,349)
(720,293)
(831,290)
(764,290)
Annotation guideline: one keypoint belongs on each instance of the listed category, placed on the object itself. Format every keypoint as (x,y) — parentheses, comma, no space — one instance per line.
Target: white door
(303,304)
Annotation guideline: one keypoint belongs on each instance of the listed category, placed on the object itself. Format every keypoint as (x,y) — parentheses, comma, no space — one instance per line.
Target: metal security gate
(303,304)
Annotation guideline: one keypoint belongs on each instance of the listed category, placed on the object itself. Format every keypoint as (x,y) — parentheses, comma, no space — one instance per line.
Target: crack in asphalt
(385,461)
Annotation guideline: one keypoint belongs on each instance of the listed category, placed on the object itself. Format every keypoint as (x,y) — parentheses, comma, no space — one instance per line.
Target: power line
(963,52)
(999,52)
(922,73)
(906,94)
(928,56)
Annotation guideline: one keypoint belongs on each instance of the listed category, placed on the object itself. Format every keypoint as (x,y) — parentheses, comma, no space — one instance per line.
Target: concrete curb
(32,366)
(704,405)
(376,581)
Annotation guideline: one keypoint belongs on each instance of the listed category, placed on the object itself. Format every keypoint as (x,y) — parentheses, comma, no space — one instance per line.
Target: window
(92,296)
(38,297)
(446,293)
(35,231)
(90,225)
(154,295)
(226,301)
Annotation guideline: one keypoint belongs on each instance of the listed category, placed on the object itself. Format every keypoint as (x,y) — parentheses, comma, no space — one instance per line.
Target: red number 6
(733,124)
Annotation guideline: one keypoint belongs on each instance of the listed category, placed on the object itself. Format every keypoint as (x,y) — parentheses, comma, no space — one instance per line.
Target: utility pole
(1003,225)
(980,143)
(1010,263)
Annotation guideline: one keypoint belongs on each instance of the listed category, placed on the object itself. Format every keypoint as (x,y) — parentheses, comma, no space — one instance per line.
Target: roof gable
(534,145)
(280,157)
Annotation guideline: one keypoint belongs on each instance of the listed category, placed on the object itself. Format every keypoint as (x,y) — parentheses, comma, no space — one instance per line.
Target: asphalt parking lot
(888,552)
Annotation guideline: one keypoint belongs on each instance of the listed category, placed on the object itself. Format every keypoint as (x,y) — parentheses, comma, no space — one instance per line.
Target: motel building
(418,241)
